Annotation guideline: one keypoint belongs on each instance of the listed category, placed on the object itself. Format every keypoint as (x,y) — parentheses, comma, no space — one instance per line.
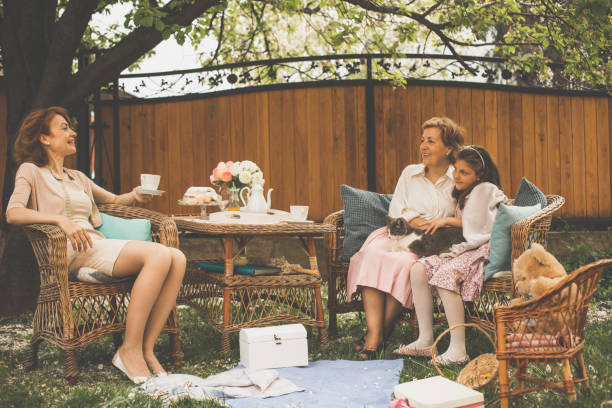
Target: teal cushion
(501,239)
(364,211)
(528,194)
(121,228)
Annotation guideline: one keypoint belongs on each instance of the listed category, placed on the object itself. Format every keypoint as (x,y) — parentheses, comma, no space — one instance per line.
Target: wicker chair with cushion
(71,314)
(539,340)
(497,290)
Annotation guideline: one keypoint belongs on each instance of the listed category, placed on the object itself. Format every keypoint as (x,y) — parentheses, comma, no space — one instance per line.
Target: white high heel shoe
(119,364)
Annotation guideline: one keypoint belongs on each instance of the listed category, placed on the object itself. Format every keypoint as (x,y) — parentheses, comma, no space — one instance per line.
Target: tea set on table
(256,208)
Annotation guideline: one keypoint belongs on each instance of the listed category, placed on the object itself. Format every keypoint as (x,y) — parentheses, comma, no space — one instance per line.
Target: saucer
(142,190)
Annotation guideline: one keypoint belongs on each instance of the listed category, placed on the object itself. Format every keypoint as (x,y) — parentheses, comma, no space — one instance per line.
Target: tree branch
(420,18)
(66,38)
(129,49)
(220,39)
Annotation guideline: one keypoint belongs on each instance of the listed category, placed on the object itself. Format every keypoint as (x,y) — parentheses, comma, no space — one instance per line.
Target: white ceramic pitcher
(256,202)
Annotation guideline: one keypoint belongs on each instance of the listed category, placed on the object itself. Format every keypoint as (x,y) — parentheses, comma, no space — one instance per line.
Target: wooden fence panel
(604,156)
(503,140)
(590,152)
(308,141)
(554,149)
(578,163)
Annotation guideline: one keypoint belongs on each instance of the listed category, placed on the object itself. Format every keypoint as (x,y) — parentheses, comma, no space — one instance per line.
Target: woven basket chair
(538,341)
(71,314)
(496,291)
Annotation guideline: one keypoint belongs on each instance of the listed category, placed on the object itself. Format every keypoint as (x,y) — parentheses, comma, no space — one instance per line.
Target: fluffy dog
(535,271)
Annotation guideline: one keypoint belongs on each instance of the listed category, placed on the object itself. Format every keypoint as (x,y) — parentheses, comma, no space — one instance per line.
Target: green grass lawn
(101,385)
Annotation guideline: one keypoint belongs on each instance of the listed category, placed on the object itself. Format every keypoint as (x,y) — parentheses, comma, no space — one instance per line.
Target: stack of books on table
(251,270)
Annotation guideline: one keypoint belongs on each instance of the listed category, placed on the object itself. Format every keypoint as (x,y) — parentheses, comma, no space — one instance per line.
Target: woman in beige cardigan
(46,192)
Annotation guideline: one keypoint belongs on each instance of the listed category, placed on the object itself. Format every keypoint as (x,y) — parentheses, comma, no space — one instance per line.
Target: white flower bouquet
(236,174)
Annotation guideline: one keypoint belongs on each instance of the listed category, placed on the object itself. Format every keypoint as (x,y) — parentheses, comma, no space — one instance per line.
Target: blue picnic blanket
(334,384)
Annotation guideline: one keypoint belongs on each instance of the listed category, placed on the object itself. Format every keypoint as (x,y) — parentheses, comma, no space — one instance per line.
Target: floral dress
(463,273)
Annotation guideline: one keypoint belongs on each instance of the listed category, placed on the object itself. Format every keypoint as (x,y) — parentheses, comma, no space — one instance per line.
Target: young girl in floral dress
(457,276)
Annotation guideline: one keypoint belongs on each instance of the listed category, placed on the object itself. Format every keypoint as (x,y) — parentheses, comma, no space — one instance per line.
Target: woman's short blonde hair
(452,134)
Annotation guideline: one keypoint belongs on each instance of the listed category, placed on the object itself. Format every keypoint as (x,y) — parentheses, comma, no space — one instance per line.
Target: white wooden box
(438,392)
(273,347)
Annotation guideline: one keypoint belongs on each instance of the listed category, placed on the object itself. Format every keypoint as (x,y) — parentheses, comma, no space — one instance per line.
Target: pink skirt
(462,274)
(377,266)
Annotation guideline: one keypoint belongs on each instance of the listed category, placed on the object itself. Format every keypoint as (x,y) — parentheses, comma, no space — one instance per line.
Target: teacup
(150,181)
(299,212)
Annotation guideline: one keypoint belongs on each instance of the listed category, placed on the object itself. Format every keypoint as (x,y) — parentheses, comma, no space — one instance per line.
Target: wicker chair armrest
(534,228)
(332,241)
(161,224)
(49,244)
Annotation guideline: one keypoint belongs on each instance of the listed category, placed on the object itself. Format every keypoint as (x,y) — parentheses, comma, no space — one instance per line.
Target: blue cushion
(122,228)
(501,239)
(528,194)
(364,211)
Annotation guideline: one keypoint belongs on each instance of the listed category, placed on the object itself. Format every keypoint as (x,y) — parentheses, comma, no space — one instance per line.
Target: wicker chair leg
(225,344)
(31,361)
(333,324)
(332,301)
(583,373)
(504,384)
(175,346)
(71,367)
(324,340)
(568,381)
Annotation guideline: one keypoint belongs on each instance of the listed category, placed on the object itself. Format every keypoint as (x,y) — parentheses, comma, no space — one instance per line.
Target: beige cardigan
(38,188)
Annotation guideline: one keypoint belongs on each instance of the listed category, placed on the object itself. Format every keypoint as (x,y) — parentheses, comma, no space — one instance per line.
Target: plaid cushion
(528,194)
(364,211)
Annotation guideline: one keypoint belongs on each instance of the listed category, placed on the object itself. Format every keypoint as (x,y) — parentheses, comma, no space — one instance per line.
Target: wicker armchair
(496,291)
(71,314)
(547,331)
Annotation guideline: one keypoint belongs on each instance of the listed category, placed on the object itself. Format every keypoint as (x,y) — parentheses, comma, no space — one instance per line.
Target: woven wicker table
(231,302)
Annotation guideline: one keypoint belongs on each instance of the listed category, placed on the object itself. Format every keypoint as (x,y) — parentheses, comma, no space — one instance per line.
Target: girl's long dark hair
(483,165)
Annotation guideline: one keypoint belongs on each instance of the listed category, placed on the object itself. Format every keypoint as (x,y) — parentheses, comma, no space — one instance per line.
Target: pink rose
(221,167)
(227,176)
(212,178)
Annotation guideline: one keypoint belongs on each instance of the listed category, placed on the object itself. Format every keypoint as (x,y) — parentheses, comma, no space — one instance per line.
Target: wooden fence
(308,141)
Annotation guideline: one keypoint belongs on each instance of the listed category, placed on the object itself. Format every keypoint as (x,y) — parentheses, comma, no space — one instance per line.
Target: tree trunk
(23,62)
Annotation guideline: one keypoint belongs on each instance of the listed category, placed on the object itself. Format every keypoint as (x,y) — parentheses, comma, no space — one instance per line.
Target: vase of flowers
(231,177)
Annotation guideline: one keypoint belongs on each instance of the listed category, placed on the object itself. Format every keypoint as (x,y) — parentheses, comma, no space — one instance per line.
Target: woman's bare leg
(393,308)
(165,302)
(423,306)
(374,308)
(151,261)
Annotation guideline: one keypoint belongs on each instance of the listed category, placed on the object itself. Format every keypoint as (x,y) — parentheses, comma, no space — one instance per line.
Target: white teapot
(255,202)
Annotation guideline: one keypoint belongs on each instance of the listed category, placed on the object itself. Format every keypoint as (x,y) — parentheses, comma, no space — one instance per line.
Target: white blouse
(478,215)
(416,196)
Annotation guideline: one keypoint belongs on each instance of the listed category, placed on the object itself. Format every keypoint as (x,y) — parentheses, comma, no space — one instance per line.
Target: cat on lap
(420,243)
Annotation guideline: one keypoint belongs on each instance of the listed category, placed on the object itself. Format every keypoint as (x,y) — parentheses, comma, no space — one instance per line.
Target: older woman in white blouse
(422,194)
